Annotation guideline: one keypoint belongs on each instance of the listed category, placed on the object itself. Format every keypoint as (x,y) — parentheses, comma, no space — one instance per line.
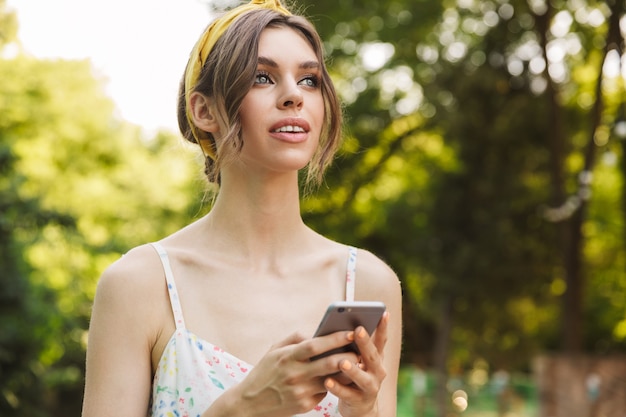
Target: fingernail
(330,383)
(350,336)
(361,333)
(346,365)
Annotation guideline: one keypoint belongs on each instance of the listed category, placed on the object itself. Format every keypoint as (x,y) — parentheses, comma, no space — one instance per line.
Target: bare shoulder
(375,279)
(126,321)
(133,272)
(129,287)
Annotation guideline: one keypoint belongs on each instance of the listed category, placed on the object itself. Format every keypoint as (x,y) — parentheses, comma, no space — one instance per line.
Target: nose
(291,97)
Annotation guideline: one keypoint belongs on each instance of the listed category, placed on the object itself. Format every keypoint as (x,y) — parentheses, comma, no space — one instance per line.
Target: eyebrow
(303,65)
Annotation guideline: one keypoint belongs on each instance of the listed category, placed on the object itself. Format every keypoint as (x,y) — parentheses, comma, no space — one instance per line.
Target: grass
(517,397)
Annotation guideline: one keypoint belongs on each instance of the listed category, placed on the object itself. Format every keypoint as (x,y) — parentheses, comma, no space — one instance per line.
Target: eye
(262,78)
(311,81)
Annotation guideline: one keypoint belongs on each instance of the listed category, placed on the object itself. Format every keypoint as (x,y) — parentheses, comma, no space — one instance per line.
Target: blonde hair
(227,76)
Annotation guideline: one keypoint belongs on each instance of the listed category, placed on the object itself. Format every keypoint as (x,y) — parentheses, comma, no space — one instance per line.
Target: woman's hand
(286,382)
(359,398)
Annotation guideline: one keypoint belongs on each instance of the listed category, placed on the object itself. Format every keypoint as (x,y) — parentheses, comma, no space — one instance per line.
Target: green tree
(465,138)
(27,309)
(503,90)
(79,187)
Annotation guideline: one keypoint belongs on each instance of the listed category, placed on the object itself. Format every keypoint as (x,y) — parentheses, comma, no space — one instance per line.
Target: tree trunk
(442,350)
(623,168)
(574,294)
(556,137)
(572,314)
(571,229)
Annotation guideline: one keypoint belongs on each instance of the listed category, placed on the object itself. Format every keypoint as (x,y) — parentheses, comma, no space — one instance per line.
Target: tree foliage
(464,166)
(502,92)
(78,187)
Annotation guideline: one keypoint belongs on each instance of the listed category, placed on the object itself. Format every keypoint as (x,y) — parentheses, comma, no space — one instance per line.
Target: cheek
(247,117)
(319,106)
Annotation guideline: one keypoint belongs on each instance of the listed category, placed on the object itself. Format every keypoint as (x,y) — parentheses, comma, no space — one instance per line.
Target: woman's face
(283,113)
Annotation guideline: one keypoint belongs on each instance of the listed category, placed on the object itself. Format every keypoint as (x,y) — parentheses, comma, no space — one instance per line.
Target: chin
(294,160)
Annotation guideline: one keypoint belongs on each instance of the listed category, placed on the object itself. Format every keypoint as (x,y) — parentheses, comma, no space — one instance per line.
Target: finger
(380,335)
(361,379)
(313,348)
(370,356)
(343,391)
(342,378)
(331,365)
(292,339)
(362,383)
(372,373)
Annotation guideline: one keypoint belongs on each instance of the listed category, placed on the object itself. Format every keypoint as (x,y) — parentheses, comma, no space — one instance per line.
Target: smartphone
(348,315)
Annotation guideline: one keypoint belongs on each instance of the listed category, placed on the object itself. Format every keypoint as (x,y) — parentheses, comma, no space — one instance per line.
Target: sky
(141,47)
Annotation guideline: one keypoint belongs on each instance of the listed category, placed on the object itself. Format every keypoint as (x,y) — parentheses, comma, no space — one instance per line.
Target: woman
(217,319)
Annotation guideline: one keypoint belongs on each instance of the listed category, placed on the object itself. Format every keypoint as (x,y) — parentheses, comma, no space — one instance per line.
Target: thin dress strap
(171,286)
(351,273)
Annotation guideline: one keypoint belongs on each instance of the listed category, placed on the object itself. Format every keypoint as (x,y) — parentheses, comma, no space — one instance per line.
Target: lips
(291,129)
(291,124)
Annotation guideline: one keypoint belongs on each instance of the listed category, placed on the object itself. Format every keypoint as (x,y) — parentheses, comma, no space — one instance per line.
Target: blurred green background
(483,159)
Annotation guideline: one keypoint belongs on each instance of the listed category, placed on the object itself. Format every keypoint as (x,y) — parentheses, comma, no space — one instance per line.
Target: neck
(259,218)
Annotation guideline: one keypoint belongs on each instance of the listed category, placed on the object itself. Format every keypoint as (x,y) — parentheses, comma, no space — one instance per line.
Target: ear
(203,112)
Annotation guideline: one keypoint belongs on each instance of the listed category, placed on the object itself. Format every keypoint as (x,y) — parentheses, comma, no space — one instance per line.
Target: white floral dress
(192,372)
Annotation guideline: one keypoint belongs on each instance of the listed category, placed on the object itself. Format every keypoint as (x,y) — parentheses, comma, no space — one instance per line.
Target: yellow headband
(203,48)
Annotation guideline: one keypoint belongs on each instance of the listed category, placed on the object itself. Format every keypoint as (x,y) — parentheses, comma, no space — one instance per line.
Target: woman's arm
(374,389)
(392,341)
(123,328)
